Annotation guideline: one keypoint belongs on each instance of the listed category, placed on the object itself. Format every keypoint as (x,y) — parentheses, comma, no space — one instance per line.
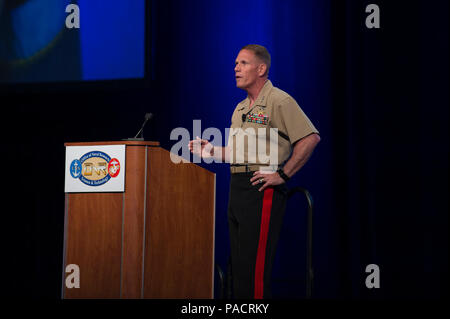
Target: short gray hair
(261,52)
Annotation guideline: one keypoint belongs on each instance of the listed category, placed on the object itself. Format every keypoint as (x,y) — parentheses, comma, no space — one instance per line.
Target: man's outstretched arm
(205,149)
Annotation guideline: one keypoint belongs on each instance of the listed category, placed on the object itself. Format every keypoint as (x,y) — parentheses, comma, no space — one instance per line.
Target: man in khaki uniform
(270,140)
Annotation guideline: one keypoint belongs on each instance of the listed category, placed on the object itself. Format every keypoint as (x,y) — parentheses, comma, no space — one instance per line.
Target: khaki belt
(244,168)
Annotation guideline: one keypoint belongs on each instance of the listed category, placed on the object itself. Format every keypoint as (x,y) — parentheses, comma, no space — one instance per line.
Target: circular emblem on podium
(75,168)
(94,171)
(114,167)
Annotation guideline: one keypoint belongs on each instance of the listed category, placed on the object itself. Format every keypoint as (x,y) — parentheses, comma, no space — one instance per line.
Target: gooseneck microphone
(148,117)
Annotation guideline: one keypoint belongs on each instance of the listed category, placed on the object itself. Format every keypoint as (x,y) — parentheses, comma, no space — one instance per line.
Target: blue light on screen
(37,46)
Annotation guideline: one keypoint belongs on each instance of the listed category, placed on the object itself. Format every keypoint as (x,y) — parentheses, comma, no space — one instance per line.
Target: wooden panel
(133,222)
(179,229)
(93,240)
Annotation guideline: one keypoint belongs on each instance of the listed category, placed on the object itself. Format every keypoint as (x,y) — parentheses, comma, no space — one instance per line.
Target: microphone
(148,117)
(244,116)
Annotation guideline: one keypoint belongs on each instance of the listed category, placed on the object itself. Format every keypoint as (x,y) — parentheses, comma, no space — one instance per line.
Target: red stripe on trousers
(261,254)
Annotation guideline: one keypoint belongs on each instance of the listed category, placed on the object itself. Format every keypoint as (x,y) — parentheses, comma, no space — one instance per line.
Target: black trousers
(255,220)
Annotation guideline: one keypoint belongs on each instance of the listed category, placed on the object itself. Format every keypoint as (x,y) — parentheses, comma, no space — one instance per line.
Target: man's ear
(262,68)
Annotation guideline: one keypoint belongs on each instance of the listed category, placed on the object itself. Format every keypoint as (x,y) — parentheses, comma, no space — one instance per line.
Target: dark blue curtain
(390,121)
(196,44)
(378,97)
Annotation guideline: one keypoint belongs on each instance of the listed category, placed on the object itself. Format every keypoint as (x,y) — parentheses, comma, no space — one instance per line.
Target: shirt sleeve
(294,122)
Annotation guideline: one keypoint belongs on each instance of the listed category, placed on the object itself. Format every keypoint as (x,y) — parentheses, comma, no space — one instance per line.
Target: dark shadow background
(379,177)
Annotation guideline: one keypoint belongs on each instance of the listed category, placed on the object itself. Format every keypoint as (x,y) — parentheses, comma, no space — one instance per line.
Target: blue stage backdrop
(196,45)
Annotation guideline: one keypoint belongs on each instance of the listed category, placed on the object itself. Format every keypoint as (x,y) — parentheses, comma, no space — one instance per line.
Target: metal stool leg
(309,239)
(221,281)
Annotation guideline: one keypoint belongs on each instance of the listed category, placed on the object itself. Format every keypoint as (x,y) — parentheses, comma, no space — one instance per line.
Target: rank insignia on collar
(259,118)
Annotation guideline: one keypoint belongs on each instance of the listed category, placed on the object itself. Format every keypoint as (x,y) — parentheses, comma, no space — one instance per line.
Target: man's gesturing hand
(202,148)
(265,179)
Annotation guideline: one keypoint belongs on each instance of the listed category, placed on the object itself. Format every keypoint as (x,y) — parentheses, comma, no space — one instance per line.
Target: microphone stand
(148,116)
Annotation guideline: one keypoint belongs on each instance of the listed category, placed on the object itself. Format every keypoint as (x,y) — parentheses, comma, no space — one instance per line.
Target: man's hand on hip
(266,179)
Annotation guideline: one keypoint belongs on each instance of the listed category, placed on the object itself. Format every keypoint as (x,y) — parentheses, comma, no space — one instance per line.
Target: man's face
(247,69)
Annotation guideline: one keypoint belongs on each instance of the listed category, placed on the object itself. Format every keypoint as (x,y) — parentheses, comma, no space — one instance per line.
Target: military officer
(270,139)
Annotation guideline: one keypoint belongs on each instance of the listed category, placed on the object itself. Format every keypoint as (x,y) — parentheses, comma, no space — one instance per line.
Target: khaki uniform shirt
(256,140)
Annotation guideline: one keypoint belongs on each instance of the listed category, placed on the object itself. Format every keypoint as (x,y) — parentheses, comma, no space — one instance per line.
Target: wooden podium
(155,240)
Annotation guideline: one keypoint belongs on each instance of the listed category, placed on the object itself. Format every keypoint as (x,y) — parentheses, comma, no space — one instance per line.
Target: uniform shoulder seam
(285,100)
(281,96)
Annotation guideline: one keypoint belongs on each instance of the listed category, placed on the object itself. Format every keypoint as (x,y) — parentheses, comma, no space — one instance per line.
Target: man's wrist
(283,174)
